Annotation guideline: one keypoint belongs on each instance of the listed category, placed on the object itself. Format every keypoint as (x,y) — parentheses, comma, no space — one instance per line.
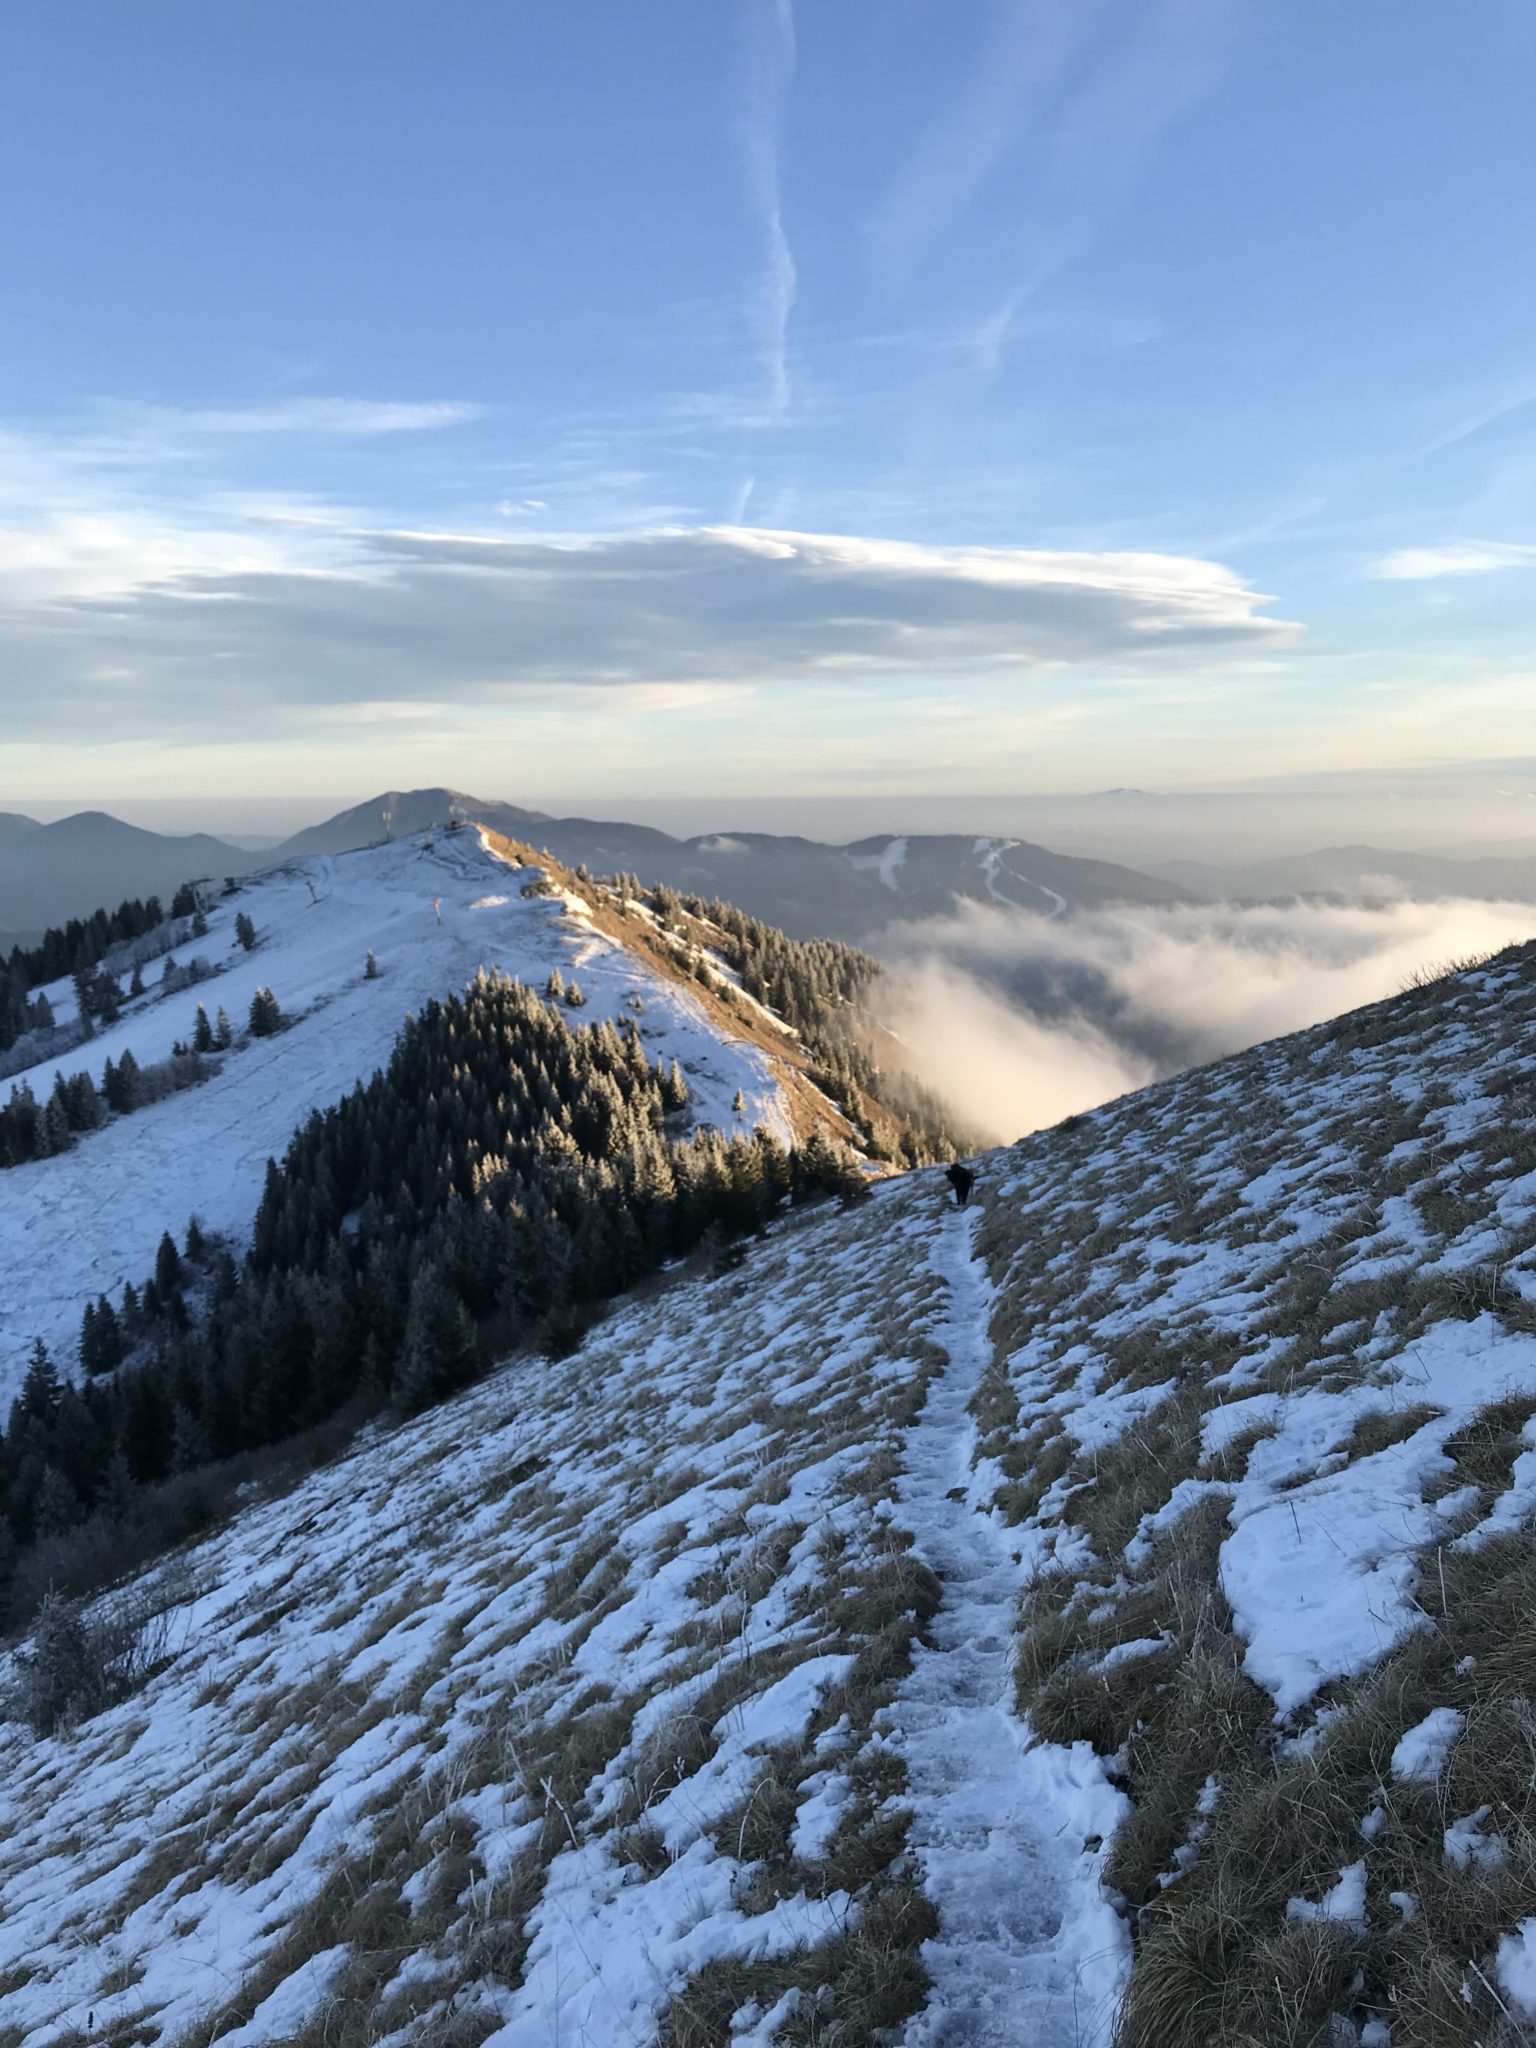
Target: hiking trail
(1001,1822)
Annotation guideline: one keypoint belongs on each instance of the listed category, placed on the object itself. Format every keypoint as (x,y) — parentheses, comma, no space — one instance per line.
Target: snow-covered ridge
(433,910)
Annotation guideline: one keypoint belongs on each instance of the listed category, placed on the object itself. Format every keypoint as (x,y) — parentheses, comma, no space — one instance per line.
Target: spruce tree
(40,1387)
(168,1271)
(439,1354)
(202,1032)
(245,931)
(266,1017)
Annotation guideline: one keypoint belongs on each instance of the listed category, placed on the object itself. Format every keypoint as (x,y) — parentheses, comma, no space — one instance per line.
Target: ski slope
(433,910)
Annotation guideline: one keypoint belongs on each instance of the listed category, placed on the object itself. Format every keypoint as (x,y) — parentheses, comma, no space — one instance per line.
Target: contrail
(771,70)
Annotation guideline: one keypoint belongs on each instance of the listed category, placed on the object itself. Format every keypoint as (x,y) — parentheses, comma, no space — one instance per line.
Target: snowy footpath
(1008,1831)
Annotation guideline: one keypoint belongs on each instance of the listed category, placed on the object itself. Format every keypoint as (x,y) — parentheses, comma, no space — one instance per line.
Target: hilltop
(1101,1615)
(804,886)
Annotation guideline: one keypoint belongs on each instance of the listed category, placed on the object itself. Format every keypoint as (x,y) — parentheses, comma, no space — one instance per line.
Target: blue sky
(763,397)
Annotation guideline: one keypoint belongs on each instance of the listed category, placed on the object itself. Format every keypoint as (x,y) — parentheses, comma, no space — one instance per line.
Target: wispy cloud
(1029,52)
(1127,994)
(1075,96)
(1487,409)
(346,417)
(770,31)
(1455,558)
(1166,61)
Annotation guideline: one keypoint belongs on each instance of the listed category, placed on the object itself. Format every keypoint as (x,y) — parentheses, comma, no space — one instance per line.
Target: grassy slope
(1265,1347)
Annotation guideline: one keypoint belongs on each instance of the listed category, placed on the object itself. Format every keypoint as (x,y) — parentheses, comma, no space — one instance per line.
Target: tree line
(32,1129)
(71,949)
(503,1174)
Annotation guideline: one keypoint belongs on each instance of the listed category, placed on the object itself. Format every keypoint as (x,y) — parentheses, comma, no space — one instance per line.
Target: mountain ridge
(809,888)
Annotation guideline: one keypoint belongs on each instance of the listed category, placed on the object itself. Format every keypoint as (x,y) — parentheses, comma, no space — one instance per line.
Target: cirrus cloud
(1455,558)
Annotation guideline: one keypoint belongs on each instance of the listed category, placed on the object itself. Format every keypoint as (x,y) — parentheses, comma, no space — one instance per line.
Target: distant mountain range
(50,873)
(1357,871)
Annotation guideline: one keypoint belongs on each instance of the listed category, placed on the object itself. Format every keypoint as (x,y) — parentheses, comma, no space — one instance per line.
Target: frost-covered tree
(266,1017)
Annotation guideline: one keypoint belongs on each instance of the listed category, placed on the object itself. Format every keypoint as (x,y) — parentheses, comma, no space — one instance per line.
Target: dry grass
(1217,1948)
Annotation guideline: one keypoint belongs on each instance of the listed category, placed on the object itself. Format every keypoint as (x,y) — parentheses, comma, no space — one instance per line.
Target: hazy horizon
(1491,810)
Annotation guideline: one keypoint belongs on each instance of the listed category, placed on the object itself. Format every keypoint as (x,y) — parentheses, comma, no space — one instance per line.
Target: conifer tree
(54,1134)
(223,1037)
(202,1032)
(439,1345)
(168,1272)
(40,1387)
(58,1507)
(101,1338)
(245,931)
(266,1017)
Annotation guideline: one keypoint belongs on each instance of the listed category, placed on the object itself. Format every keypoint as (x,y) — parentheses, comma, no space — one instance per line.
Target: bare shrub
(77,1664)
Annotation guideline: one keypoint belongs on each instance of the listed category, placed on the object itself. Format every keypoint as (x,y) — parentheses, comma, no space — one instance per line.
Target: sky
(793,403)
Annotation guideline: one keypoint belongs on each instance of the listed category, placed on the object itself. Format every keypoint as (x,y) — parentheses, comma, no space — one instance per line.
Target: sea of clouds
(1019,1021)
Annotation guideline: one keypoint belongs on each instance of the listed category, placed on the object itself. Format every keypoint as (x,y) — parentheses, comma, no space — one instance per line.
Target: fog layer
(1020,1021)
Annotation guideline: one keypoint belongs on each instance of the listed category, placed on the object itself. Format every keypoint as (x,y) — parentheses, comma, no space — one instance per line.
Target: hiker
(962,1180)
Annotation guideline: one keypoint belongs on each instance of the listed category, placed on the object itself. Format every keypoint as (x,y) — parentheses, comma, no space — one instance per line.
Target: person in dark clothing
(962,1180)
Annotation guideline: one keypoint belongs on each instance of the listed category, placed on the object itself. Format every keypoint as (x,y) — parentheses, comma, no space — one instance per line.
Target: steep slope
(1262,1423)
(1105,1615)
(433,912)
(575,1711)
(67,869)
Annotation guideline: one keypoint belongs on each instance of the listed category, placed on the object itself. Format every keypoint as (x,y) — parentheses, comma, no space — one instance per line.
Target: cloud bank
(311,612)
(1019,1022)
